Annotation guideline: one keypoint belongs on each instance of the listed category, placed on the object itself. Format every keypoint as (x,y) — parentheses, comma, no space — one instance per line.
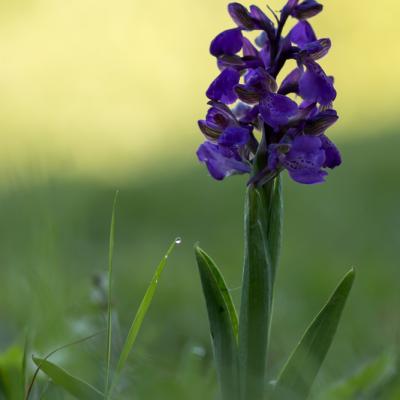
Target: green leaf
(298,374)
(24,370)
(140,314)
(74,386)
(223,324)
(257,291)
(273,202)
(109,305)
(10,373)
(366,383)
(32,382)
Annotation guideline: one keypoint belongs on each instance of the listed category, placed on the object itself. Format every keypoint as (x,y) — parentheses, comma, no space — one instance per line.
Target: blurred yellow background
(100,86)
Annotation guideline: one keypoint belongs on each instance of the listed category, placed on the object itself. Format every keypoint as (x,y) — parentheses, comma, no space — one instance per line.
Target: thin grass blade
(298,374)
(223,324)
(109,304)
(140,314)
(369,382)
(74,386)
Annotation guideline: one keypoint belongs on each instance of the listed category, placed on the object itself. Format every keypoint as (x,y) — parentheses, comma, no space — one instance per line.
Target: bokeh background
(97,96)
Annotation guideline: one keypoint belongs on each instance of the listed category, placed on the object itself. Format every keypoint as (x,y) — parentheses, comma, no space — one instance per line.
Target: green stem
(263,225)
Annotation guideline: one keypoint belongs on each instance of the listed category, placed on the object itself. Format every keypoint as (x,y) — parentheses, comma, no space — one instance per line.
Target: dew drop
(178,240)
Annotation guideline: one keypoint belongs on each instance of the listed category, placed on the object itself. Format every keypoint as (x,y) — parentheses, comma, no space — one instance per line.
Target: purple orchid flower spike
(245,98)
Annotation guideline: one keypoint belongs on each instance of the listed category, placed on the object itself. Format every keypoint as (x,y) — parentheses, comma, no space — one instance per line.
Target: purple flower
(293,130)
(218,118)
(228,42)
(234,136)
(315,85)
(257,84)
(276,110)
(302,34)
(305,160)
(221,162)
(222,89)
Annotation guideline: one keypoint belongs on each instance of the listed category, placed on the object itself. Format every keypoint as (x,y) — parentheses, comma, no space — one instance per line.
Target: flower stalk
(255,127)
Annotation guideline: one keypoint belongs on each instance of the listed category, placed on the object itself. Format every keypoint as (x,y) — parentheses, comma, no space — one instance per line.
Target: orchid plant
(258,127)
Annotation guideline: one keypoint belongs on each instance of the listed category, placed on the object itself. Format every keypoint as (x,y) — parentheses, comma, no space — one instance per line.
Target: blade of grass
(140,314)
(24,378)
(73,385)
(30,387)
(109,304)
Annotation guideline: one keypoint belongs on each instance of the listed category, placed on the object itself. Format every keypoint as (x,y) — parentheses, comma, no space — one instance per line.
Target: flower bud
(241,16)
(306,9)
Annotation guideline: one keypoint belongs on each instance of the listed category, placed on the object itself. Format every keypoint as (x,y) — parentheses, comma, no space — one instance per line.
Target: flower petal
(228,42)
(333,157)
(319,123)
(234,136)
(221,163)
(241,16)
(308,177)
(315,85)
(262,20)
(276,109)
(222,89)
(305,160)
(291,83)
(302,34)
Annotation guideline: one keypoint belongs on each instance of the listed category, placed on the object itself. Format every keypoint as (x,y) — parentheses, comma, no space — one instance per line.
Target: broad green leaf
(298,374)
(140,314)
(109,307)
(223,324)
(76,387)
(216,275)
(257,291)
(367,382)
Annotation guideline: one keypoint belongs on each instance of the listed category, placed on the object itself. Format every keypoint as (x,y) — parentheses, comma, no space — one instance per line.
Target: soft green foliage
(223,324)
(78,388)
(297,377)
(373,381)
(11,374)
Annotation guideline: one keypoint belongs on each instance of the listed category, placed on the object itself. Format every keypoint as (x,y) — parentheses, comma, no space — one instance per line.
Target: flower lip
(228,42)
(222,88)
(315,85)
(302,34)
(234,136)
(221,162)
(276,109)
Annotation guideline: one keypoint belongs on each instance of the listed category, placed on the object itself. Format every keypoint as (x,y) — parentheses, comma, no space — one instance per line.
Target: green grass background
(53,241)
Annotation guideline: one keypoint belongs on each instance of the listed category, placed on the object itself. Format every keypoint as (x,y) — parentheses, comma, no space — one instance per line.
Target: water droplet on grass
(178,240)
